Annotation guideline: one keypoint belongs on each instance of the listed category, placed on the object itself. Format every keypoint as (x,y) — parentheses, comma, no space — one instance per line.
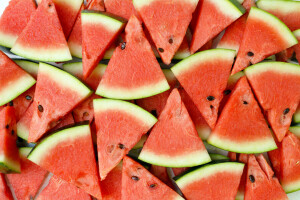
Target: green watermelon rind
(25,151)
(9,166)
(22,131)
(208,170)
(218,157)
(296,117)
(46,145)
(297,32)
(29,66)
(291,187)
(295,130)
(16,88)
(102,105)
(279,6)
(7,40)
(76,68)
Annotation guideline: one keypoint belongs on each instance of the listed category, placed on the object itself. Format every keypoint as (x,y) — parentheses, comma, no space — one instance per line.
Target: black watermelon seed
(11,103)
(152,185)
(12,132)
(7,126)
(135,178)
(123,45)
(161,50)
(210,98)
(245,102)
(28,97)
(211,106)
(227,92)
(121,146)
(250,54)
(40,107)
(86,114)
(49,5)
(286,111)
(252,179)
(154,113)
(269,126)
(171,41)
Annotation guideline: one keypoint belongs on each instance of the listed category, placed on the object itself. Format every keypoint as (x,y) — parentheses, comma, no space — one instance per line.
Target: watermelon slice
(13,80)
(122,79)
(183,148)
(277,88)
(58,153)
(204,77)
(264,36)
(14,19)
(297,47)
(233,132)
(168,25)
(99,31)
(30,67)
(111,187)
(93,80)
(214,16)
(201,125)
(57,93)
(122,8)
(43,39)
(214,181)
(27,183)
(162,174)
(85,111)
(5,192)
(138,183)
(9,154)
(60,189)
(259,185)
(120,125)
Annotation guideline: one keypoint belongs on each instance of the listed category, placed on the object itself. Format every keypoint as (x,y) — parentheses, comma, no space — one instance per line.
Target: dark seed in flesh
(121,146)
(123,45)
(28,97)
(41,109)
(286,111)
(252,179)
(171,40)
(245,102)
(250,54)
(12,132)
(7,126)
(211,106)
(11,103)
(227,92)
(210,98)
(135,178)
(161,50)
(152,186)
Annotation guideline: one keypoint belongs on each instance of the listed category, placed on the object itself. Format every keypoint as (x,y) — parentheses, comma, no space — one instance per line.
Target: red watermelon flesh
(122,79)
(284,55)
(258,185)
(236,134)
(120,125)
(167,32)
(272,34)
(122,8)
(66,121)
(265,166)
(10,160)
(14,19)
(97,5)
(232,156)
(162,174)
(197,75)
(85,111)
(213,17)
(138,183)
(179,171)
(277,88)
(201,125)
(60,189)
(27,183)
(23,125)
(184,147)
(97,37)
(5,192)
(111,187)
(56,94)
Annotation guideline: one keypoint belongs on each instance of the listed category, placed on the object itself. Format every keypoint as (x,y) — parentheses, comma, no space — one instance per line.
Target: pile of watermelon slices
(150,99)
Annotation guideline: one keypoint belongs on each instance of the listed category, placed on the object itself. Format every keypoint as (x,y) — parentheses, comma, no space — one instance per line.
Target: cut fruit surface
(23,125)
(264,36)
(122,8)
(5,192)
(233,132)
(213,181)
(99,30)
(277,88)
(204,77)
(13,80)
(57,93)
(214,16)
(168,24)
(138,183)
(85,110)
(48,43)
(122,78)
(58,152)
(184,147)
(14,19)
(120,125)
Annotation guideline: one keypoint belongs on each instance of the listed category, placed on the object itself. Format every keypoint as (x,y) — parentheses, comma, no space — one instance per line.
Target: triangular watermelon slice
(69,154)
(14,19)
(99,30)
(27,183)
(43,39)
(122,78)
(264,36)
(13,80)
(57,93)
(235,130)
(120,125)
(5,192)
(213,181)
(122,8)
(67,12)
(183,148)
(277,88)
(60,189)
(9,154)
(138,183)
(259,186)
(204,77)
(168,24)
(214,16)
